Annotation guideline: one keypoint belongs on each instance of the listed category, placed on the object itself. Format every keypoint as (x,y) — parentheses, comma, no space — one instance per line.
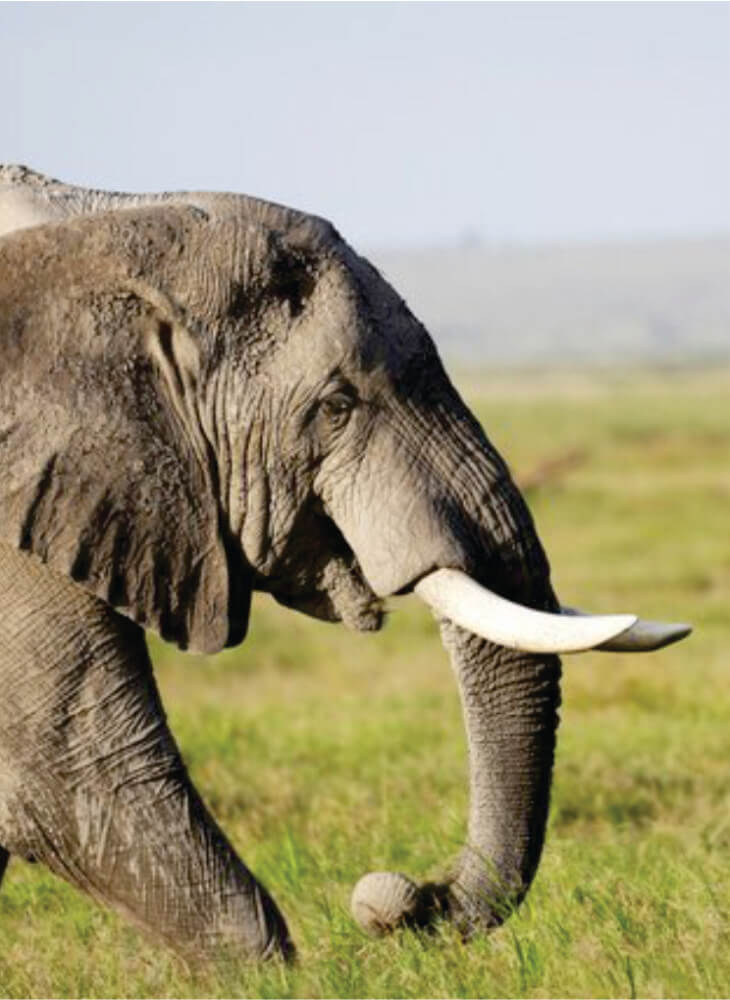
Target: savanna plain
(326,754)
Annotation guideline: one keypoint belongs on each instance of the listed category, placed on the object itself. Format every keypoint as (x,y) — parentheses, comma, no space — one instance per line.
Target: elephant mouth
(322,578)
(340,593)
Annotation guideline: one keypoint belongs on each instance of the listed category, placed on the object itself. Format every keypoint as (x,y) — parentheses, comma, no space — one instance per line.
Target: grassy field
(326,754)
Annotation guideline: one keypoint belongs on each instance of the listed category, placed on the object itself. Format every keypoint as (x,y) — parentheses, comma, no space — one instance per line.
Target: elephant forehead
(357,322)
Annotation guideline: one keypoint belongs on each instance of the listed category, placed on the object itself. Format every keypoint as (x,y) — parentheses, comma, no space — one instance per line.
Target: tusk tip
(641,636)
(646,636)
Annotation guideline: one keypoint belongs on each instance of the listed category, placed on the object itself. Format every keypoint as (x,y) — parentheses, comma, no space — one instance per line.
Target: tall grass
(326,754)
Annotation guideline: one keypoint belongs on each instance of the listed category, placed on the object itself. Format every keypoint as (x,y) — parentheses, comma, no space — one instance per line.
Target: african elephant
(205,395)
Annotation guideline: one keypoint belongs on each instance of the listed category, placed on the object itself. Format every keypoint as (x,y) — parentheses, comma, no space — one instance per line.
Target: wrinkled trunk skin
(92,783)
(510,703)
(510,700)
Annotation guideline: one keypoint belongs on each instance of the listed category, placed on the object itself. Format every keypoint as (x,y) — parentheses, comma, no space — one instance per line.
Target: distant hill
(655,301)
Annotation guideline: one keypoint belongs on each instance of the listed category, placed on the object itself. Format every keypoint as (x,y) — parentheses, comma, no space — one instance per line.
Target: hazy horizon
(663,301)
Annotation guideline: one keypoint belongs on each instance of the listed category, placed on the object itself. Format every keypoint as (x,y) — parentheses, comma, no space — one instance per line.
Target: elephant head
(202,396)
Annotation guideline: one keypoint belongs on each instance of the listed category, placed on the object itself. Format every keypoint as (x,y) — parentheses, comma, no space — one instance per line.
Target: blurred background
(545,183)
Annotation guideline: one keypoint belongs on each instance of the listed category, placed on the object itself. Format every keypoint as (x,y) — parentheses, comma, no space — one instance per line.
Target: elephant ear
(107,475)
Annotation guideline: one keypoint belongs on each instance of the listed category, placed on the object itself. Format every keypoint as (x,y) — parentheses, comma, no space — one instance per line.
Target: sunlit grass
(326,754)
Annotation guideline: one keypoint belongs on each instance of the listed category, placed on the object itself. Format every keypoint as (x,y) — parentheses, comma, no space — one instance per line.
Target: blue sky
(405,123)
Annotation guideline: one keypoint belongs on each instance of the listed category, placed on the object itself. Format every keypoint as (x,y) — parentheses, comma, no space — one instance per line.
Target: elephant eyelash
(336,409)
(338,403)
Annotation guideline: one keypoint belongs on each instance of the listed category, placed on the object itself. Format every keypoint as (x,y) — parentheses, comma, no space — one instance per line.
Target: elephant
(205,395)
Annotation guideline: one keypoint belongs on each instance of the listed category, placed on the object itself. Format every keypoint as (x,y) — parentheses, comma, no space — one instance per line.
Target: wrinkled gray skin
(196,401)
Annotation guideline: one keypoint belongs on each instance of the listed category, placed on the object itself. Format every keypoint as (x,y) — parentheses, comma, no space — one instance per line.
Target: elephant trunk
(510,699)
(510,702)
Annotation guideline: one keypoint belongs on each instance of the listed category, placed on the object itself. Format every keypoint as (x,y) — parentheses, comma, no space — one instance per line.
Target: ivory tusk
(642,637)
(454,595)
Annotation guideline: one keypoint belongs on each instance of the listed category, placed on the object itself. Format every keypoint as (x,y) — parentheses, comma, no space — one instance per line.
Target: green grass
(327,754)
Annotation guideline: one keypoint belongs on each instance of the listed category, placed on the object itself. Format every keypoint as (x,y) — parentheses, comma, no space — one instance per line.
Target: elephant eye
(336,408)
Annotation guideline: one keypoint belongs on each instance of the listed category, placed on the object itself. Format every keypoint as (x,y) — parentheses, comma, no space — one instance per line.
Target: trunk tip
(382,901)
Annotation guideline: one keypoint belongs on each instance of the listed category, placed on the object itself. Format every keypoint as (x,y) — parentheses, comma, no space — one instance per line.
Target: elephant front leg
(93,785)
